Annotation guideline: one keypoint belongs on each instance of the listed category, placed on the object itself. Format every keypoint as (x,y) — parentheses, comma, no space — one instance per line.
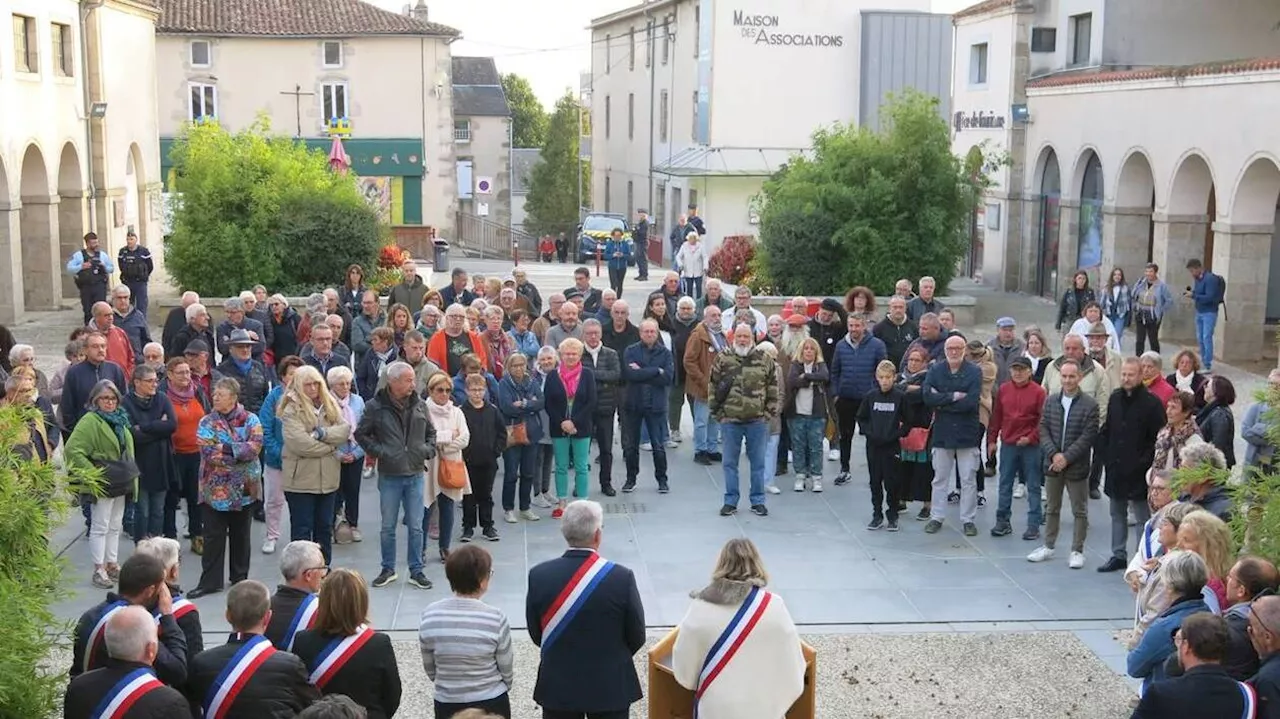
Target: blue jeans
(756,435)
(1027,462)
(446,508)
(1206,322)
(148,514)
(706,431)
(806,444)
(692,286)
(640,423)
(311,519)
(393,492)
(521,460)
(1120,323)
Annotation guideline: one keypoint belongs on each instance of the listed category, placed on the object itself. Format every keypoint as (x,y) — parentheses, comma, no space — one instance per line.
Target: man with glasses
(294,604)
(322,354)
(240,365)
(1264,633)
(1206,689)
(82,377)
(153,423)
(119,348)
(362,327)
(455,341)
(130,319)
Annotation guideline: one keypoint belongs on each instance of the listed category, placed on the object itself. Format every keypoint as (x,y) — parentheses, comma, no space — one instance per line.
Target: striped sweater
(466,650)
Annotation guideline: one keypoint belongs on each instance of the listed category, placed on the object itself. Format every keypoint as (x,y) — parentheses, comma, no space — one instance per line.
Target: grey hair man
(130,318)
(606,367)
(293,606)
(335,706)
(743,397)
(587,655)
(237,319)
(925,303)
(131,640)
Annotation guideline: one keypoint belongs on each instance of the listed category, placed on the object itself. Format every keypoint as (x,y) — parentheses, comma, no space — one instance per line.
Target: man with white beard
(743,398)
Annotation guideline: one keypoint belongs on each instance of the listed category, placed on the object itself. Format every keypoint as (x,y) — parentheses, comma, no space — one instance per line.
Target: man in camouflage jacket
(743,397)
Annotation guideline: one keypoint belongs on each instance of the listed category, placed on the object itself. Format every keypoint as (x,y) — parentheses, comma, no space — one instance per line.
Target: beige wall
(490,153)
(398,87)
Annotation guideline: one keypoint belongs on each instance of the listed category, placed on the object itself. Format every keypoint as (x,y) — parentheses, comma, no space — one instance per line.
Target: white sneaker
(799,485)
(540,500)
(1019,491)
(772,488)
(677,437)
(1133,521)
(817,485)
(1076,561)
(368,472)
(833,455)
(672,444)
(646,446)
(269,546)
(510,516)
(1041,554)
(528,515)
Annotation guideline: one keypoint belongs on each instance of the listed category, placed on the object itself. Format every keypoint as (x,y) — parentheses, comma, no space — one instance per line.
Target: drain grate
(626,508)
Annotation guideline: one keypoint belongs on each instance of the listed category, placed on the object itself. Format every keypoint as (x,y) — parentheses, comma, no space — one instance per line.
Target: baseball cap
(1020,361)
(195,347)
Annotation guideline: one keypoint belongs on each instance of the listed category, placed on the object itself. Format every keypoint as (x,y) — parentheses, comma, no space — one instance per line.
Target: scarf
(569,378)
(1169,442)
(140,401)
(180,395)
(1183,382)
(243,366)
(348,415)
(118,420)
(441,414)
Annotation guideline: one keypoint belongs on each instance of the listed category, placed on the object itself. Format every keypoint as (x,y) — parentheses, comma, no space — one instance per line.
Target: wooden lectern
(669,700)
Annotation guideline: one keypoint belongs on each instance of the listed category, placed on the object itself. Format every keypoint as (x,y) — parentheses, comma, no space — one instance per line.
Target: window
(204,101)
(26,53)
(648,44)
(631,56)
(462,130)
(201,56)
(662,116)
(63,50)
(697,28)
(695,116)
(1081,38)
(978,64)
(463,168)
(693,198)
(608,54)
(1044,39)
(334,102)
(666,39)
(608,190)
(660,202)
(631,116)
(631,198)
(608,120)
(333,53)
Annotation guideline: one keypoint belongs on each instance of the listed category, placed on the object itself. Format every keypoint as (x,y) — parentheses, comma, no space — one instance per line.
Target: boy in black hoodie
(488,441)
(880,417)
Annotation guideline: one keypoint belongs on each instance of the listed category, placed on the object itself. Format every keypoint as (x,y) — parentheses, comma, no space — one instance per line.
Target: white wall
(1180,32)
(490,153)
(993,97)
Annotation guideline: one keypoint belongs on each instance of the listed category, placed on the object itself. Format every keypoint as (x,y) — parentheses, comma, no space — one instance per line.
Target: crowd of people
(444,389)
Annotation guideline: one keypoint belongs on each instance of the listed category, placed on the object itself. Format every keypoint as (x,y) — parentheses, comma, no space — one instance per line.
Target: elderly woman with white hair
(185,613)
(1185,575)
(23,355)
(285,324)
(682,325)
(692,261)
(346,509)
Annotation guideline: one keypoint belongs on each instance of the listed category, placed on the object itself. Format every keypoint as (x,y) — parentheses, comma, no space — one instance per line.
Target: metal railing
(485,239)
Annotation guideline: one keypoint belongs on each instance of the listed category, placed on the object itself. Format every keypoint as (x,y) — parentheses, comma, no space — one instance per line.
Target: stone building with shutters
(482,139)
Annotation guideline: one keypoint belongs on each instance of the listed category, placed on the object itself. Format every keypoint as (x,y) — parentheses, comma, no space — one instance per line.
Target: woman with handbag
(915,466)
(314,429)
(447,481)
(520,401)
(102,439)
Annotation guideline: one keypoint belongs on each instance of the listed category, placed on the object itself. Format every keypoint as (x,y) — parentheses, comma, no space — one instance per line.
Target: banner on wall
(377,192)
(1089,256)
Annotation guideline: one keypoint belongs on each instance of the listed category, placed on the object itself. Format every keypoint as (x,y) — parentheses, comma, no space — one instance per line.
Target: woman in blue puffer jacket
(1185,575)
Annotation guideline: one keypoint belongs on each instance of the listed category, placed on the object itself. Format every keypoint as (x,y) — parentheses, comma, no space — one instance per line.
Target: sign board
(484,185)
(769,29)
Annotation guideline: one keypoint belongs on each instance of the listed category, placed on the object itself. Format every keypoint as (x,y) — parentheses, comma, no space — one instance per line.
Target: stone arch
(1128,228)
(71,210)
(38,223)
(1191,185)
(135,189)
(1193,202)
(1089,186)
(1047,181)
(1253,201)
(1136,183)
(1252,245)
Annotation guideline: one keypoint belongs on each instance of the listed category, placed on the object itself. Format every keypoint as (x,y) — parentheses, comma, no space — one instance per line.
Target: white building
(1146,139)
(698,101)
(78,148)
(482,139)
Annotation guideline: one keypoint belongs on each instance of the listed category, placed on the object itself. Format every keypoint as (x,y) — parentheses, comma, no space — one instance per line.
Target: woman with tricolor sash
(343,654)
(737,648)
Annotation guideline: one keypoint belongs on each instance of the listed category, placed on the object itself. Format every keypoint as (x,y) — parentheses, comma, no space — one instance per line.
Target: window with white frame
(462,130)
(333,53)
(334,102)
(201,53)
(978,64)
(25,46)
(204,101)
(63,50)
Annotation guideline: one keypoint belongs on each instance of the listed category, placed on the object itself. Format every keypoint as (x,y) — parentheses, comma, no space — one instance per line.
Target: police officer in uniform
(136,267)
(91,267)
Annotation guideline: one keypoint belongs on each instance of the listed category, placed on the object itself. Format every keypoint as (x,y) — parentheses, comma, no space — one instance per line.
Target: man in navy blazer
(1205,689)
(585,613)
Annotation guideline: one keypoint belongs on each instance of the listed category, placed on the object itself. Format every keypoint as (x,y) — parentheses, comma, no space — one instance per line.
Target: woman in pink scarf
(570,403)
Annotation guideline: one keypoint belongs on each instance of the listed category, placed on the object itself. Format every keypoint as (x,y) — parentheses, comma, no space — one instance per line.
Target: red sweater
(1017,413)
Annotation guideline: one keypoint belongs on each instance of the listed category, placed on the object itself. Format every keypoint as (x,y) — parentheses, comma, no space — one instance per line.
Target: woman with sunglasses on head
(452,436)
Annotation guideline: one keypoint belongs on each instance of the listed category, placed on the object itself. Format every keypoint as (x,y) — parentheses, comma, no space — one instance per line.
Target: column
(41,266)
(11,256)
(1178,238)
(1242,254)
(1125,233)
(71,229)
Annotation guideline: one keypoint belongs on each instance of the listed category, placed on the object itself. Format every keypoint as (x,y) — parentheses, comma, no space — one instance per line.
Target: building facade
(482,139)
(699,101)
(383,75)
(523,160)
(1145,139)
(78,135)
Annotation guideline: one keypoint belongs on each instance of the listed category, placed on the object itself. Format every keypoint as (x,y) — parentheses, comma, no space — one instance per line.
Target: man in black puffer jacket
(607,368)
(251,373)
(275,687)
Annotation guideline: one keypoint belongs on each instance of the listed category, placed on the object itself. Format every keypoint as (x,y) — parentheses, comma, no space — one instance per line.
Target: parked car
(595,229)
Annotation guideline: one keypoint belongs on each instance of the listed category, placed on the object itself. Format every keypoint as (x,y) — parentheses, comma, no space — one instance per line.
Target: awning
(706,161)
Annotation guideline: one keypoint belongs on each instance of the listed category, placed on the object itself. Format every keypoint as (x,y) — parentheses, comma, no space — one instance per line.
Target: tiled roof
(1098,76)
(480,100)
(289,18)
(475,71)
(984,7)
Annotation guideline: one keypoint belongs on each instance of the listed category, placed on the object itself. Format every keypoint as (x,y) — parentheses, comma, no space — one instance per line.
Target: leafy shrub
(869,208)
(731,261)
(323,234)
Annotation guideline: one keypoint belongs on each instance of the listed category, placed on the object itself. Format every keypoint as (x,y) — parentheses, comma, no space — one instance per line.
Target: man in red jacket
(1015,421)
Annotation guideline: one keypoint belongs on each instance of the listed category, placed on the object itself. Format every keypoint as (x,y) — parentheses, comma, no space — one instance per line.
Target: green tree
(229,231)
(552,202)
(873,206)
(528,117)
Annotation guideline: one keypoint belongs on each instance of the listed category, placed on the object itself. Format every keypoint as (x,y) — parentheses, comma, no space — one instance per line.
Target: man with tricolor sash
(126,687)
(247,676)
(294,605)
(584,612)
(141,584)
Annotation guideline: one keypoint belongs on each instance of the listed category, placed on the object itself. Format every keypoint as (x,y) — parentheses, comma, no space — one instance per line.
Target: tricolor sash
(222,694)
(303,619)
(731,640)
(135,685)
(572,597)
(1250,701)
(181,608)
(95,634)
(337,654)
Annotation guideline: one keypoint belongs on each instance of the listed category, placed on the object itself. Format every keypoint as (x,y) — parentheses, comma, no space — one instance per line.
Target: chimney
(419,11)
